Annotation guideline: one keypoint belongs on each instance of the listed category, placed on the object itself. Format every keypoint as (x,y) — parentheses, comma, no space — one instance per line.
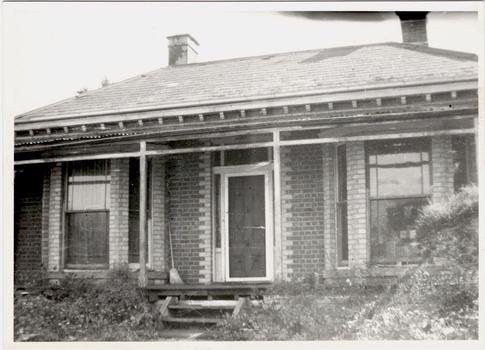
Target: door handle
(255,227)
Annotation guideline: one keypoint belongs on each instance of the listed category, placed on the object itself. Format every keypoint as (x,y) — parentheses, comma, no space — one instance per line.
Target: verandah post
(278,266)
(142,281)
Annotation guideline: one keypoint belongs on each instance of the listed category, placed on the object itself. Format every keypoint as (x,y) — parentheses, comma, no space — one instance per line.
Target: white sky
(53,50)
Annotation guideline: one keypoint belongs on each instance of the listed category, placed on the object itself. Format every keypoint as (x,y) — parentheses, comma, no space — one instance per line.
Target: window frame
(66,211)
(423,196)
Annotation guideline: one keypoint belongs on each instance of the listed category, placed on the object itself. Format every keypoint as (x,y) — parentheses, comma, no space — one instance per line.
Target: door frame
(226,172)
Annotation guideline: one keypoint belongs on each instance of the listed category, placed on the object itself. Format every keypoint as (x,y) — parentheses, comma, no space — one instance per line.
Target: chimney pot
(413,26)
(182,49)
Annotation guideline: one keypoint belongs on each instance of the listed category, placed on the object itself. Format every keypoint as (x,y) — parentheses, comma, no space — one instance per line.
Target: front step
(200,312)
(192,320)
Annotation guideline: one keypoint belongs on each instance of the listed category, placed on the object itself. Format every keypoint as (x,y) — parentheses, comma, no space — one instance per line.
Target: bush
(77,309)
(432,302)
(307,316)
(449,229)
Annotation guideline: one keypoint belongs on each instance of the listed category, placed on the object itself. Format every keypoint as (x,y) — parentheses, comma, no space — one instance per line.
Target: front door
(248,227)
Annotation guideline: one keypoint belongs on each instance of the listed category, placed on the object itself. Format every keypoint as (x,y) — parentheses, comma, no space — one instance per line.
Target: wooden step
(200,307)
(199,320)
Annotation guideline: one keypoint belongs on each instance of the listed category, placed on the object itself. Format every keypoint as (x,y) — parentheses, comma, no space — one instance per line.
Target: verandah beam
(251,145)
(142,280)
(376,137)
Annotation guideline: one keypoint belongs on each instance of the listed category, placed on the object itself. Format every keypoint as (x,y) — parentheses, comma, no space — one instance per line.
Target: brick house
(260,168)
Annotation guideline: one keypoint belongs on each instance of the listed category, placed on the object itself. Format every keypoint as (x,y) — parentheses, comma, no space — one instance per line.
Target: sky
(51,51)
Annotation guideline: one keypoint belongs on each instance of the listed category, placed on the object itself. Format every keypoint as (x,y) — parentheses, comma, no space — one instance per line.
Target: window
(399,184)
(87,213)
(341,203)
(242,156)
(134,211)
(463,148)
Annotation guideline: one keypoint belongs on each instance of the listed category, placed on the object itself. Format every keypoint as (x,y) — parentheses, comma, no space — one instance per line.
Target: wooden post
(143,219)
(278,266)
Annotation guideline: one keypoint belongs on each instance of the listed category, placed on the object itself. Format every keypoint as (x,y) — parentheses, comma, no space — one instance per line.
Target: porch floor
(232,290)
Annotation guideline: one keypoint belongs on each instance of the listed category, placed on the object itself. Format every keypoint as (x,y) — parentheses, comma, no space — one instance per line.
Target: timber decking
(207,290)
(175,311)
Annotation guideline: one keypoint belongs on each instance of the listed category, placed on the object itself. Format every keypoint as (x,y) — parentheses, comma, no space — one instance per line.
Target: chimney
(413,26)
(182,49)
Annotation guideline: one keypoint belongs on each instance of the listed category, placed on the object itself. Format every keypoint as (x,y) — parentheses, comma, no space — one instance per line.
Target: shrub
(78,309)
(449,229)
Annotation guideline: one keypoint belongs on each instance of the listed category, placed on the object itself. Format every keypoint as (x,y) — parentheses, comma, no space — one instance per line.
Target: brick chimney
(413,26)
(181,49)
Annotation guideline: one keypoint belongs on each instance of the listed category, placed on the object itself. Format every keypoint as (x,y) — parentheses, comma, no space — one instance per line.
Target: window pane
(402,159)
(342,172)
(87,196)
(88,171)
(87,240)
(217,209)
(245,156)
(393,230)
(426,179)
(459,150)
(396,181)
(373,181)
(134,211)
(399,168)
(342,227)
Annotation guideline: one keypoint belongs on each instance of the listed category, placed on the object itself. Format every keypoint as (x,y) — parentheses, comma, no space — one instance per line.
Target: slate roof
(322,70)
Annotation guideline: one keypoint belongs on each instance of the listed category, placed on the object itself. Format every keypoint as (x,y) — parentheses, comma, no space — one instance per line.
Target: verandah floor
(231,289)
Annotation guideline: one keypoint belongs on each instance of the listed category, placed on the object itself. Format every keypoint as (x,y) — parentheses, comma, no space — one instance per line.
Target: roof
(285,74)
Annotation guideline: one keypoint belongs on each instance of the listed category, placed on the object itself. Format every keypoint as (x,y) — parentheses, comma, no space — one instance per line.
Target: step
(202,320)
(200,307)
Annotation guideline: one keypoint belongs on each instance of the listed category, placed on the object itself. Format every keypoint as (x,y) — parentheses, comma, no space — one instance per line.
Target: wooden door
(246,226)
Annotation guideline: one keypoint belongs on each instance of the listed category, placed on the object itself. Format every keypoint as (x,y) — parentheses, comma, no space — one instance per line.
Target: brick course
(329,206)
(357,204)
(28,223)
(442,167)
(302,210)
(55,257)
(188,195)
(158,239)
(118,213)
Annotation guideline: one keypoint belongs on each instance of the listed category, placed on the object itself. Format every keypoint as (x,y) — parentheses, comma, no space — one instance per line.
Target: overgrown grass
(78,310)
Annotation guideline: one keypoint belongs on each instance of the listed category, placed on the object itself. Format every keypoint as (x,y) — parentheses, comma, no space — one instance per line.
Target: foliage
(309,315)
(78,309)
(427,303)
(449,229)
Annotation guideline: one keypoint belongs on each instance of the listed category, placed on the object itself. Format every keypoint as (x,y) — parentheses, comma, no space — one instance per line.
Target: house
(253,169)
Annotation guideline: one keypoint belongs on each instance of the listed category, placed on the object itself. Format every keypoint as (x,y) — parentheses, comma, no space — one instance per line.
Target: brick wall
(329,174)
(28,192)
(45,217)
(302,210)
(55,219)
(442,167)
(357,204)
(189,201)
(158,261)
(118,213)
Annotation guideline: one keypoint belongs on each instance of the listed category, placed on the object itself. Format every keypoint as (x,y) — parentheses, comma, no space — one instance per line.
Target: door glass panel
(247,230)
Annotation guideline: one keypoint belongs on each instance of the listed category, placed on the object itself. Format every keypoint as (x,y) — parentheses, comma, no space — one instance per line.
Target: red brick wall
(302,201)
(28,222)
(188,196)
